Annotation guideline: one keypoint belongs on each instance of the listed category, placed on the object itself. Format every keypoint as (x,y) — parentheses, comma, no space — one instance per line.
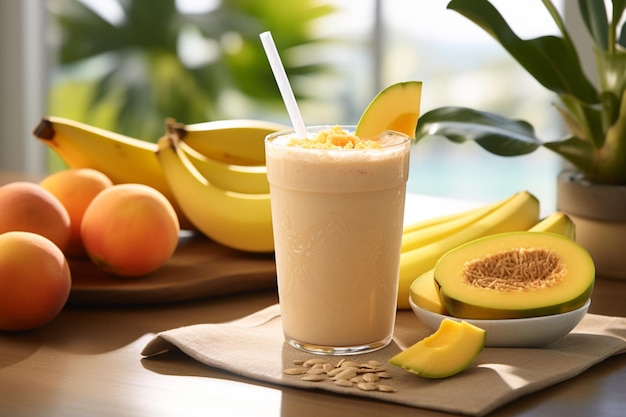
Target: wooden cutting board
(199,268)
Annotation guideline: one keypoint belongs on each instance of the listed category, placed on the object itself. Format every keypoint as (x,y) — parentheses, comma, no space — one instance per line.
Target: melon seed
(310,362)
(367,386)
(515,269)
(313,378)
(370,377)
(368,371)
(333,372)
(344,373)
(295,371)
(344,383)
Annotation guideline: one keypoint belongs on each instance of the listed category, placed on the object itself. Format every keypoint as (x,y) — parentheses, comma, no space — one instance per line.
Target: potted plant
(593,190)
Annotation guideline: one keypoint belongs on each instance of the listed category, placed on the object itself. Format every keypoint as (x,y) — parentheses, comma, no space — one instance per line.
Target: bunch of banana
(227,141)
(425,242)
(238,220)
(125,159)
(431,230)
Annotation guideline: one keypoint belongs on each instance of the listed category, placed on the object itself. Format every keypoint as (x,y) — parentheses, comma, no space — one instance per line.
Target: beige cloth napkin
(253,347)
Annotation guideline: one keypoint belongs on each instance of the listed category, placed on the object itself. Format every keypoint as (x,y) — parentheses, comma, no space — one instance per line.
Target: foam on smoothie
(334,160)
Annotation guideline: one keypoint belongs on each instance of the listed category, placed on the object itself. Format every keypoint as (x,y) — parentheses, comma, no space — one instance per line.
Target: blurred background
(126,65)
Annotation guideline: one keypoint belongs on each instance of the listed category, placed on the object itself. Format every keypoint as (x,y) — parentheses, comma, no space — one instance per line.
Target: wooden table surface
(87,362)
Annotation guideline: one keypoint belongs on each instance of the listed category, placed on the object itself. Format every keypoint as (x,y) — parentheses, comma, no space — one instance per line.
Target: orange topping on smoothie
(335,138)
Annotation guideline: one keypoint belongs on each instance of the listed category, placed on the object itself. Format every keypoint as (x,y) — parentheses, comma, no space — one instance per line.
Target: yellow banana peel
(556,222)
(237,220)
(237,141)
(431,230)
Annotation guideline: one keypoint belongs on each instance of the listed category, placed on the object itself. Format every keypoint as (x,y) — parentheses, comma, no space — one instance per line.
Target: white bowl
(526,332)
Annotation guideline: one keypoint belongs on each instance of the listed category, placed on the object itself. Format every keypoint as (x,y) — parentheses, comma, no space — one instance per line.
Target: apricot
(130,230)
(75,188)
(35,280)
(28,207)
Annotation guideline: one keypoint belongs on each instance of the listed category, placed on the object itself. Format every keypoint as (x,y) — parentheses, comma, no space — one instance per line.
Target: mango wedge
(448,351)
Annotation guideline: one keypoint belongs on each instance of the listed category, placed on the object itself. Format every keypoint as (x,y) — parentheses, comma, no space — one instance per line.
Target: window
(459,65)
(395,40)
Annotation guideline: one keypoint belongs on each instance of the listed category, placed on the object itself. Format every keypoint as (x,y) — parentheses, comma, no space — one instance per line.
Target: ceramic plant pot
(599,213)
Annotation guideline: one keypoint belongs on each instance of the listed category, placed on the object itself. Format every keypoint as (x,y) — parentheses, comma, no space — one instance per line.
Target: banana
(422,224)
(125,159)
(237,220)
(122,158)
(520,212)
(238,141)
(245,179)
(84,146)
(556,222)
(432,230)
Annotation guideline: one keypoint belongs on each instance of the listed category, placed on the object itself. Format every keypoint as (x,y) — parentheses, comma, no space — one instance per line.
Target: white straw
(283,84)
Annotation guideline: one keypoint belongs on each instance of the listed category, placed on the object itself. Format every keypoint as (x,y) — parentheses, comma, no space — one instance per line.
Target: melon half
(515,275)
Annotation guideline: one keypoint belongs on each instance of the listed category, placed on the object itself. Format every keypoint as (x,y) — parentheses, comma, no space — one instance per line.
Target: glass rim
(349,128)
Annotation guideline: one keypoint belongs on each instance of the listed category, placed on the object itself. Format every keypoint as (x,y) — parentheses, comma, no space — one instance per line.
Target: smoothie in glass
(337,210)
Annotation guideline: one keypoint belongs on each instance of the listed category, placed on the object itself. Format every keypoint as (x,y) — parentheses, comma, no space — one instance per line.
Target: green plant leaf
(582,120)
(578,152)
(499,135)
(134,67)
(621,39)
(594,15)
(551,60)
(496,134)
(76,18)
(610,161)
(612,78)
(619,6)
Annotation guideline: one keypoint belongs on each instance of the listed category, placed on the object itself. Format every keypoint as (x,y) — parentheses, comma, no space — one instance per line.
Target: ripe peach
(130,229)
(75,188)
(35,280)
(28,207)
